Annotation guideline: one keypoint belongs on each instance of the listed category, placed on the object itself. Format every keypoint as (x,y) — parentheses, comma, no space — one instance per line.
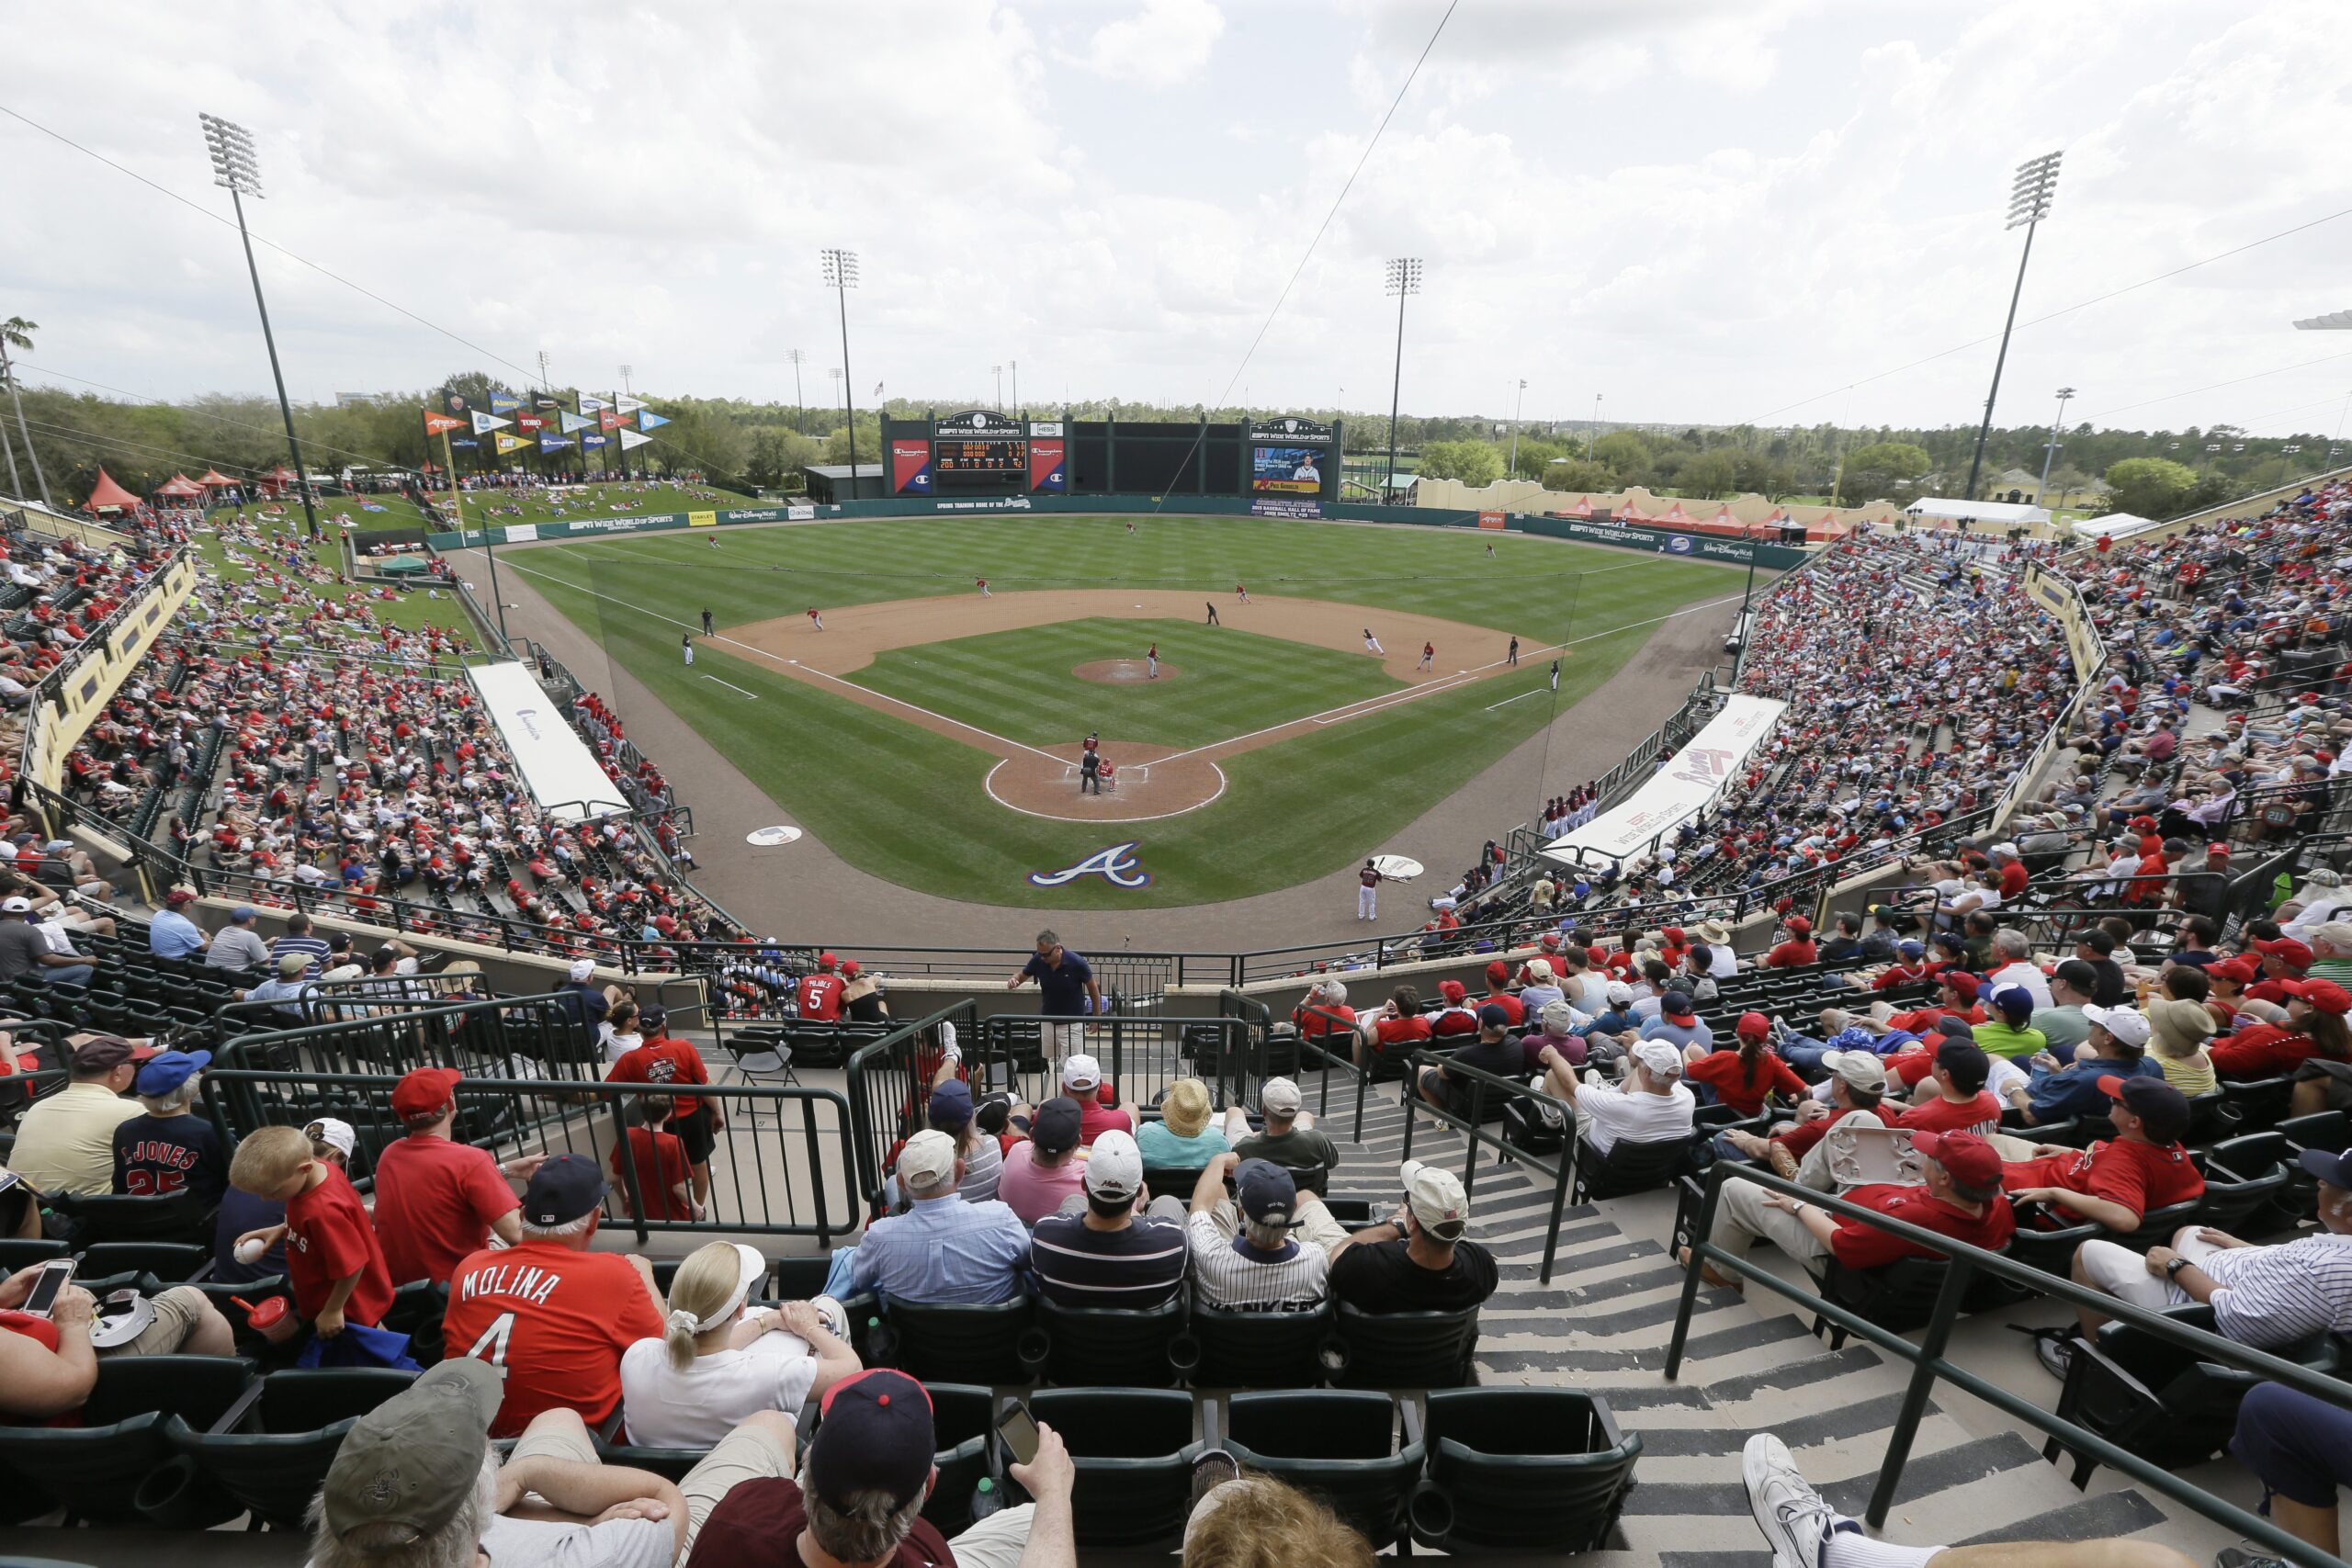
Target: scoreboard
(985,455)
(977,453)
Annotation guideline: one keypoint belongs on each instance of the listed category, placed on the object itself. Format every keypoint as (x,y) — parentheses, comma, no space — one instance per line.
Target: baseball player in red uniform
(1428,655)
(1368,882)
(1242,593)
(1151,661)
(983,583)
(815,619)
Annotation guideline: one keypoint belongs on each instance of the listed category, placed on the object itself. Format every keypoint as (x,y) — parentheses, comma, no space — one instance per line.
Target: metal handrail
(1561,1171)
(1929,1364)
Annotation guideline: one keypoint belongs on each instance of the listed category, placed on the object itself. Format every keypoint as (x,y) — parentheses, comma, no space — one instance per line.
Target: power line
(2216,386)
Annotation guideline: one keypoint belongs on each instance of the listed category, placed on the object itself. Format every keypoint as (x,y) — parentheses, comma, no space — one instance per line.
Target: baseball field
(930,732)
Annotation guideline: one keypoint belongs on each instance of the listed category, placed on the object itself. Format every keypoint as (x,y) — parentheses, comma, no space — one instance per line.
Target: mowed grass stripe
(1018,683)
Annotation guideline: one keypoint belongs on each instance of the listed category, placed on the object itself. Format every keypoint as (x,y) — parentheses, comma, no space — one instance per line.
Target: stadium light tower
(799,408)
(231,146)
(1000,387)
(1404,279)
(2041,490)
(840,277)
(2030,199)
(2333,322)
(1518,404)
(1594,433)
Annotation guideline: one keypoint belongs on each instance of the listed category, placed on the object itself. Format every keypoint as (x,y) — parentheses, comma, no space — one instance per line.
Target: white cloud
(1162,43)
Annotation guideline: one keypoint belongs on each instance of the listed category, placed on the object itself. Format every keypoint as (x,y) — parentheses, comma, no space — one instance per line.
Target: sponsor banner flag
(510,443)
(530,422)
(594,440)
(504,402)
(550,404)
(484,423)
(628,404)
(554,443)
(573,423)
(590,405)
(455,401)
(1046,472)
(631,438)
(911,467)
(437,423)
(463,441)
(608,420)
(648,419)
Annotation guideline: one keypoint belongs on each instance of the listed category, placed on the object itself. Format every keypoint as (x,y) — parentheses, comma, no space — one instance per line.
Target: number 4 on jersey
(491,1346)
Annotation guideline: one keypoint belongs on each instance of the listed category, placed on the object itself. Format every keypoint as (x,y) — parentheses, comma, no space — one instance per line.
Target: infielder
(983,584)
(1556,674)
(1368,883)
(1372,643)
(1242,593)
(1429,657)
(686,641)
(1212,620)
(815,619)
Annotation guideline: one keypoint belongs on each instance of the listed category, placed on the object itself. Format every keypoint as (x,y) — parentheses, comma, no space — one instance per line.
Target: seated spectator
(2008,1032)
(2115,1181)
(944,1249)
(2061,1019)
(1653,1106)
(24,950)
(170,933)
(242,1213)
(1256,1521)
(2300,1448)
(1182,1138)
(300,939)
(284,990)
(1494,1051)
(1419,1259)
(1267,1247)
(2117,1049)
(66,1140)
(587,1001)
(1097,1251)
(1959,1196)
(1742,1078)
(1857,1086)
(167,1150)
(2309,1025)
(437,1200)
(1955,1099)
(1289,1138)
(1677,1024)
(1082,1081)
(2268,1297)
(1325,1010)
(654,1154)
(1388,1036)
(1796,947)
(720,1362)
(950,1111)
(237,946)
(2014,949)
(47,1368)
(862,999)
(1043,1170)
(555,1313)
(1539,991)
(333,1262)
(618,1036)
(1619,1014)
(551,1502)
(858,1500)
(661,1058)
(2180,1029)
(1498,993)
(1454,1018)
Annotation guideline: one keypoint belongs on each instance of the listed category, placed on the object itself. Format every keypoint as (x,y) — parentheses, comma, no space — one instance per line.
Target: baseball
(249,1251)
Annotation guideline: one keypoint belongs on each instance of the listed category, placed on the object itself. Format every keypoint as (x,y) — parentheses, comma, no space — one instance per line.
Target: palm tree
(17,333)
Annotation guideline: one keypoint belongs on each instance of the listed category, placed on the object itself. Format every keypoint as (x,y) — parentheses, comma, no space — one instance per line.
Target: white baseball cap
(1619,993)
(1115,1165)
(15,906)
(1660,1057)
(1860,1068)
(1539,969)
(1278,1095)
(1081,1071)
(928,1159)
(582,967)
(334,1133)
(2126,1024)
(1435,1197)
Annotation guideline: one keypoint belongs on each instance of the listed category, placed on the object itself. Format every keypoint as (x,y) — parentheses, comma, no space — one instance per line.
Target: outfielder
(686,641)
(983,584)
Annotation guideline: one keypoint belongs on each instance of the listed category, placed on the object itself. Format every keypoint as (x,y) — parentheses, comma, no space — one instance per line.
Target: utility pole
(20,329)
(841,275)
(1016,388)
(2030,197)
(1000,387)
(233,167)
(1404,277)
(799,406)
(1593,433)
(1513,472)
(2041,490)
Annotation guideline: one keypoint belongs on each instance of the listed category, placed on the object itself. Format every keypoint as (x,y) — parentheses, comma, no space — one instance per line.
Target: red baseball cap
(2287,950)
(850,968)
(1498,973)
(1551,943)
(1673,934)
(1966,1158)
(1962,981)
(827,962)
(1754,1025)
(423,1090)
(2324,995)
(2241,970)
(1798,924)
(1453,990)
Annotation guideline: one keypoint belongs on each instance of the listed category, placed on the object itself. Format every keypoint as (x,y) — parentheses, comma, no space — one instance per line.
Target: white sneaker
(1791,1515)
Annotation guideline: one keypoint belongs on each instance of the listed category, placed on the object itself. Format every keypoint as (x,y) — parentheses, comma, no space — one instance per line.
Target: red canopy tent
(1675,514)
(214,478)
(1583,508)
(109,496)
(179,485)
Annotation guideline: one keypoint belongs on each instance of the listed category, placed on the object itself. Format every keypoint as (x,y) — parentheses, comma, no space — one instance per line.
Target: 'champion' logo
(1116,866)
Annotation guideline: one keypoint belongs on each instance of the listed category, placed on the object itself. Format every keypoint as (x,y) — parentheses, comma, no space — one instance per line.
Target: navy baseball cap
(1966,1062)
(876,1436)
(951,1105)
(2333,1168)
(563,1189)
(1268,1193)
(1492,1016)
(1055,1127)
(161,1075)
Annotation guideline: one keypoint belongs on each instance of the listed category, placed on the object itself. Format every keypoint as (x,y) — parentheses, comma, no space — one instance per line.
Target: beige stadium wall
(1526,495)
(2245,506)
(93,682)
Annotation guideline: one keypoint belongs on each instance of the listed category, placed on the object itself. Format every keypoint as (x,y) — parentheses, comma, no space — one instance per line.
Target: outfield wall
(1583,531)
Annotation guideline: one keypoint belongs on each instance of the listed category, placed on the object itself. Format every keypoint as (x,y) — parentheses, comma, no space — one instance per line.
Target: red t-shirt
(820,997)
(2261,1051)
(1315,1019)
(660,1162)
(662,1061)
(2014,876)
(1400,1036)
(1899,974)
(557,1320)
(1453,1022)
(1790,954)
(327,1237)
(435,1202)
(1858,1246)
(1511,1006)
(1722,1071)
(2137,1175)
(1094,1119)
(761,1520)
(1982,1114)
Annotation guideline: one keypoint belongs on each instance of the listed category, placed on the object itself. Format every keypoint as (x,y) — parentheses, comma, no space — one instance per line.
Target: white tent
(1998,511)
(1685,784)
(2116,525)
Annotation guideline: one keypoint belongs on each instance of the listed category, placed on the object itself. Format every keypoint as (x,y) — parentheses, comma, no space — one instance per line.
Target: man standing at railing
(1067,988)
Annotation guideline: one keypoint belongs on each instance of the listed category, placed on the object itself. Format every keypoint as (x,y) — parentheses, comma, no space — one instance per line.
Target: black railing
(889,1086)
(1929,1364)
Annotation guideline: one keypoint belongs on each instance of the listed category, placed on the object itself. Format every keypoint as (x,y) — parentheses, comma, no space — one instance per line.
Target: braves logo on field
(1116,866)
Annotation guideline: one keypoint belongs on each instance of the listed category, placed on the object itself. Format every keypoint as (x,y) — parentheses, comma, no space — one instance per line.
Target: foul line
(1508,701)
(733,687)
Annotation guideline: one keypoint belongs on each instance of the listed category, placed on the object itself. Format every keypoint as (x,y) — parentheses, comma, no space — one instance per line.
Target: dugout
(1280,461)
(831,482)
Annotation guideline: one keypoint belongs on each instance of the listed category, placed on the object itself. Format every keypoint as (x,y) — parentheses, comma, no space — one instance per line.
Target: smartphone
(52,1278)
(1018,1430)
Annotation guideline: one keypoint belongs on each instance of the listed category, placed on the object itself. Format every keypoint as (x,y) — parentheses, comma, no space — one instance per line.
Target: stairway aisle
(1602,1325)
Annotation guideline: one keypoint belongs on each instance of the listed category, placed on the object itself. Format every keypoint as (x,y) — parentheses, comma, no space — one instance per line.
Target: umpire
(1090,771)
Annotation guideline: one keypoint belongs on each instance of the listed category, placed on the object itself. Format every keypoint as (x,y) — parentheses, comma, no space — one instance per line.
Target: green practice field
(887,795)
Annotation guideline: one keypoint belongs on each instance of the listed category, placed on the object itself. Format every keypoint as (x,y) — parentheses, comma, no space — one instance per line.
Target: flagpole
(457,502)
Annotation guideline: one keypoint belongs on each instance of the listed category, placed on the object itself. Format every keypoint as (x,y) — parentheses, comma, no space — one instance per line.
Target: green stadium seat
(94,1470)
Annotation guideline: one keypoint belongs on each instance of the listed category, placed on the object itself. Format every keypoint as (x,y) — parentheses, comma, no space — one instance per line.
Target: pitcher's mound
(1047,784)
(1119,672)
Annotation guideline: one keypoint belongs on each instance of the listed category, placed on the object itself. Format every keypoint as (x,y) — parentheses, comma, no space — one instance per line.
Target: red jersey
(1453,1022)
(327,1238)
(557,1320)
(1736,1087)
(2014,876)
(2137,1175)
(435,1202)
(820,997)
(1858,1246)
(2261,1051)
(1400,1036)
(1982,1114)
(1514,1010)
(662,1061)
(660,1161)
(1792,953)
(1368,877)
(1094,1119)
(1899,974)
(1315,1019)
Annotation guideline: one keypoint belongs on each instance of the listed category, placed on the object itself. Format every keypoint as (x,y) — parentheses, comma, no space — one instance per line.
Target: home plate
(1397,868)
(768,836)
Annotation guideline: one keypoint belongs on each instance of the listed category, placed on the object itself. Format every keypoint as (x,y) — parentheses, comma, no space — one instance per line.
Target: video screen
(1286,470)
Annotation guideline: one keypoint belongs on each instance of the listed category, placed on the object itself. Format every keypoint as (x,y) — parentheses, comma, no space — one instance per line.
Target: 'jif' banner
(510,443)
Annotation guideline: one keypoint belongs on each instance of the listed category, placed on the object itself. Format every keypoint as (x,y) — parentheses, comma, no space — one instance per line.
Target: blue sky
(1708,211)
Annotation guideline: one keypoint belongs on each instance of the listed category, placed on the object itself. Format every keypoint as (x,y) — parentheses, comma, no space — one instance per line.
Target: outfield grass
(1018,684)
(887,795)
